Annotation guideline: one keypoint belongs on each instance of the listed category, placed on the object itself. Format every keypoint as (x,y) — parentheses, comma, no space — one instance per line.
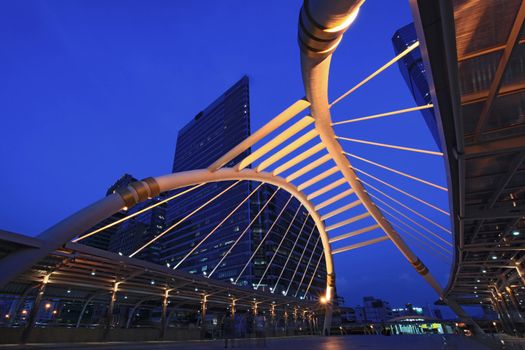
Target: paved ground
(406,342)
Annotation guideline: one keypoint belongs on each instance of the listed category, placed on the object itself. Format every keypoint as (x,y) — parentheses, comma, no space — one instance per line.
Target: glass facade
(127,237)
(413,71)
(211,133)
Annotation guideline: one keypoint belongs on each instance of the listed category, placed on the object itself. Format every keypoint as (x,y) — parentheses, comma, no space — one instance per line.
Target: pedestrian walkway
(408,342)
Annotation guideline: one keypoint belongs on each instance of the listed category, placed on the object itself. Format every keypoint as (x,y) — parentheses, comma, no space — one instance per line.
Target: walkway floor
(406,342)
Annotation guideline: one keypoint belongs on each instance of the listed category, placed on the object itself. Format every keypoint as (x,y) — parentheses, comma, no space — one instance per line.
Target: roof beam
(341,209)
(327,188)
(360,245)
(276,122)
(489,148)
(493,213)
(274,142)
(511,43)
(334,199)
(347,221)
(354,233)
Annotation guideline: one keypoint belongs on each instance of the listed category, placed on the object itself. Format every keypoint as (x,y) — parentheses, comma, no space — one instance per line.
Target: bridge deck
(427,342)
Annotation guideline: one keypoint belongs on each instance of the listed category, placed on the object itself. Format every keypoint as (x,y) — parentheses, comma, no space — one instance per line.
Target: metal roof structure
(77,272)
(474,51)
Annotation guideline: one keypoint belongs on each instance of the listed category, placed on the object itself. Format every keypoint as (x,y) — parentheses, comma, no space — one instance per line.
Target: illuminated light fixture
(7,316)
(322,300)
(345,24)
(24,312)
(478,281)
(93,273)
(125,296)
(47,306)
(168,264)
(494,257)
(54,312)
(152,282)
(120,253)
(68,291)
(484,271)
(516,233)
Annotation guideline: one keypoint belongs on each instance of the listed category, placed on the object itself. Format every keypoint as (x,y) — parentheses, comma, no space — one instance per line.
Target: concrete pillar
(84,307)
(515,304)
(163,313)
(507,328)
(26,333)
(17,307)
(286,321)
(233,309)
(204,306)
(272,318)
(328,318)
(109,312)
(506,310)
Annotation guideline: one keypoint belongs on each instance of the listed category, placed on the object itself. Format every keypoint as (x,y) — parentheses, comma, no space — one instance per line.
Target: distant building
(127,237)
(413,71)
(102,239)
(376,310)
(411,310)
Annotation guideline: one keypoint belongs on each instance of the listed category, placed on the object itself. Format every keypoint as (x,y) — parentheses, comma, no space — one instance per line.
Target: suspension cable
(396,171)
(413,229)
(382,68)
(381,115)
(401,191)
(421,242)
(300,259)
(407,207)
(402,148)
(279,246)
(313,275)
(243,232)
(218,225)
(264,238)
(138,212)
(182,220)
(411,220)
(291,252)
(307,266)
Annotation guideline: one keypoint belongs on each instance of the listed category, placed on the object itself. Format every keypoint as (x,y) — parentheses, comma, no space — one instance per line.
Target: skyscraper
(413,71)
(210,134)
(127,237)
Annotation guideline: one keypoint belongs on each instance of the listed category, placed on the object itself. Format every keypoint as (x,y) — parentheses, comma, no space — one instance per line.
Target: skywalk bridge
(301,151)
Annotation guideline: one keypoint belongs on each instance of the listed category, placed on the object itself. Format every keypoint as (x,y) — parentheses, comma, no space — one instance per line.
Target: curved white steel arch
(322,24)
(141,191)
(195,177)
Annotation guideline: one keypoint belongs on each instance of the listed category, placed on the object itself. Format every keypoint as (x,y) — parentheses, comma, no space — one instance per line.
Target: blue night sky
(91,90)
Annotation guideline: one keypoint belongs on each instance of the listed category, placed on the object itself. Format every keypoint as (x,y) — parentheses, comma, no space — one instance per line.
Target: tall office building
(413,71)
(210,134)
(102,240)
(127,237)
